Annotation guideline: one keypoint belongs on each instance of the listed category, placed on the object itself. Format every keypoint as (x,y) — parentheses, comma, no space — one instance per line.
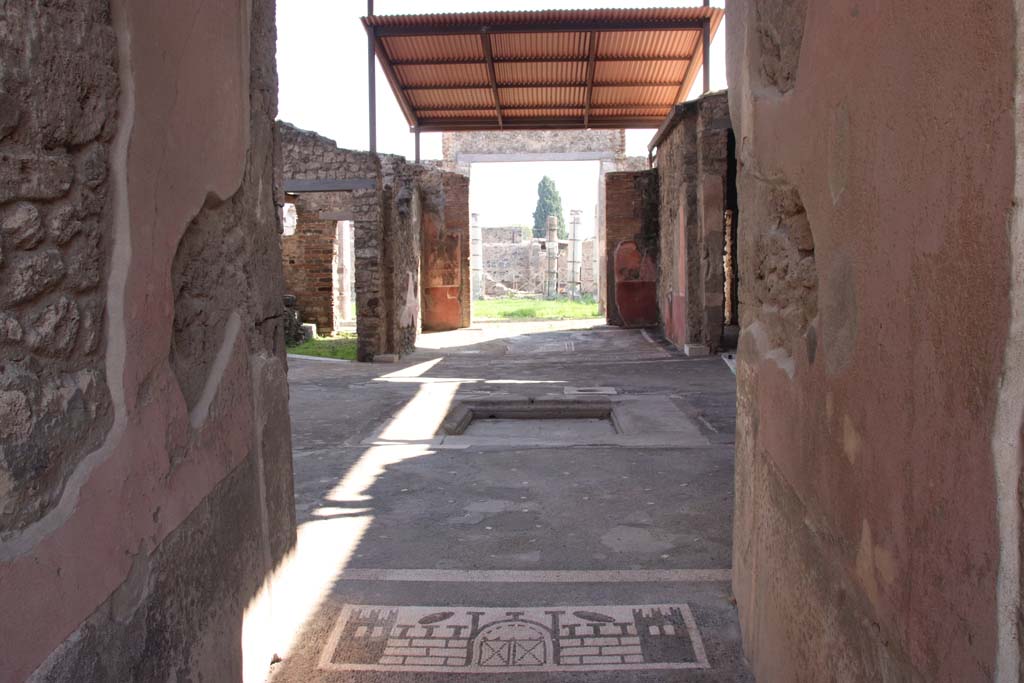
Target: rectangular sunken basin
(520,416)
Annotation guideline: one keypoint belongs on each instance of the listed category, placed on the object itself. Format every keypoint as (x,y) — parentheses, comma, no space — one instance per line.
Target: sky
(322,76)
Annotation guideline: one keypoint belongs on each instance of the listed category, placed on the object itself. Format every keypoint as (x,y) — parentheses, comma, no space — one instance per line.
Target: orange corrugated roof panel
(605,68)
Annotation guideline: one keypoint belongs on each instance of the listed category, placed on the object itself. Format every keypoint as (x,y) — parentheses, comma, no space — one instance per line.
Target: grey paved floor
(420,560)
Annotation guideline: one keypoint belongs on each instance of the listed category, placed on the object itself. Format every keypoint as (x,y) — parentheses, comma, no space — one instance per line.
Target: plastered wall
(878,433)
(145,460)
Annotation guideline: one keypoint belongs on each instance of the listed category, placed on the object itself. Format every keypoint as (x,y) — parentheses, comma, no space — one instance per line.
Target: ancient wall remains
(693,167)
(631,201)
(144,434)
(460,149)
(405,209)
(509,235)
(313,257)
(877,527)
(520,267)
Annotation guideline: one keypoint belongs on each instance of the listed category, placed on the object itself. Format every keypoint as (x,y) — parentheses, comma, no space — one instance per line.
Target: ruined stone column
(552,249)
(476,257)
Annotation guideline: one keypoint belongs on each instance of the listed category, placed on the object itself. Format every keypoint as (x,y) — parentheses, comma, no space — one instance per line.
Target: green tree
(549,203)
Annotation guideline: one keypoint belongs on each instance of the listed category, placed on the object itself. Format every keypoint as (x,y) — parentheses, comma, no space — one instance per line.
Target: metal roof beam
(689,75)
(566,84)
(377,48)
(539,27)
(537,60)
(485,42)
(591,66)
(532,123)
(516,107)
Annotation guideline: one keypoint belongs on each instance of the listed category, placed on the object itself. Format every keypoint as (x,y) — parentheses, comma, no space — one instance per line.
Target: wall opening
(731,281)
(510,249)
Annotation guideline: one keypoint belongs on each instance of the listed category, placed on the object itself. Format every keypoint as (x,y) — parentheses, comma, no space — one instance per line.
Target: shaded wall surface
(692,168)
(445,243)
(879,378)
(145,459)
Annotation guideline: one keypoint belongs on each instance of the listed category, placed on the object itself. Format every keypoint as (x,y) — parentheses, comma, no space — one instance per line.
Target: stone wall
(693,167)
(519,267)
(631,201)
(877,526)
(460,148)
(522,267)
(145,460)
(510,235)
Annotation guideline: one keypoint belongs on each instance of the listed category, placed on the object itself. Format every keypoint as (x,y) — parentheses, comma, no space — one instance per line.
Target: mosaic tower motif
(495,639)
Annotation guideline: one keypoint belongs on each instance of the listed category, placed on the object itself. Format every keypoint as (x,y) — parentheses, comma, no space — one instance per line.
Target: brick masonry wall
(312,257)
(630,213)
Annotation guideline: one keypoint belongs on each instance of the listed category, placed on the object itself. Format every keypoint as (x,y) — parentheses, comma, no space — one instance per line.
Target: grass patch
(534,309)
(341,345)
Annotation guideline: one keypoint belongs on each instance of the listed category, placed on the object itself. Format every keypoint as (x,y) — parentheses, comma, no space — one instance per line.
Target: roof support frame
(505,108)
(538,60)
(485,42)
(706,47)
(531,123)
(558,84)
(371,41)
(539,27)
(448,89)
(591,67)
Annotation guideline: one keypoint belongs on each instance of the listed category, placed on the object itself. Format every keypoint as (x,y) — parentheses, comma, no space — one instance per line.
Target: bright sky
(321,64)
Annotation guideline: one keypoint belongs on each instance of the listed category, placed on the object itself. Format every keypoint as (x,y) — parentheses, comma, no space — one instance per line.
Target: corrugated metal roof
(652,15)
(551,68)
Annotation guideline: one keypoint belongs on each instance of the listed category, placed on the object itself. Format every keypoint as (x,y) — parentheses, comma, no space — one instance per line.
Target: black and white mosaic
(510,639)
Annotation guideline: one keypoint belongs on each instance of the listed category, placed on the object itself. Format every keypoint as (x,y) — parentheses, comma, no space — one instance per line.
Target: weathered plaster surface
(165,531)
(867,539)
(1007,441)
(58,113)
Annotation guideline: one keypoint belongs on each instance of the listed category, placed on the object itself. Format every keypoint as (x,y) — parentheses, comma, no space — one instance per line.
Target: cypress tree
(549,203)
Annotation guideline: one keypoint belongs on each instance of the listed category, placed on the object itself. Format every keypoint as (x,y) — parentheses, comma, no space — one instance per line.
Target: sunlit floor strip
(540,576)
